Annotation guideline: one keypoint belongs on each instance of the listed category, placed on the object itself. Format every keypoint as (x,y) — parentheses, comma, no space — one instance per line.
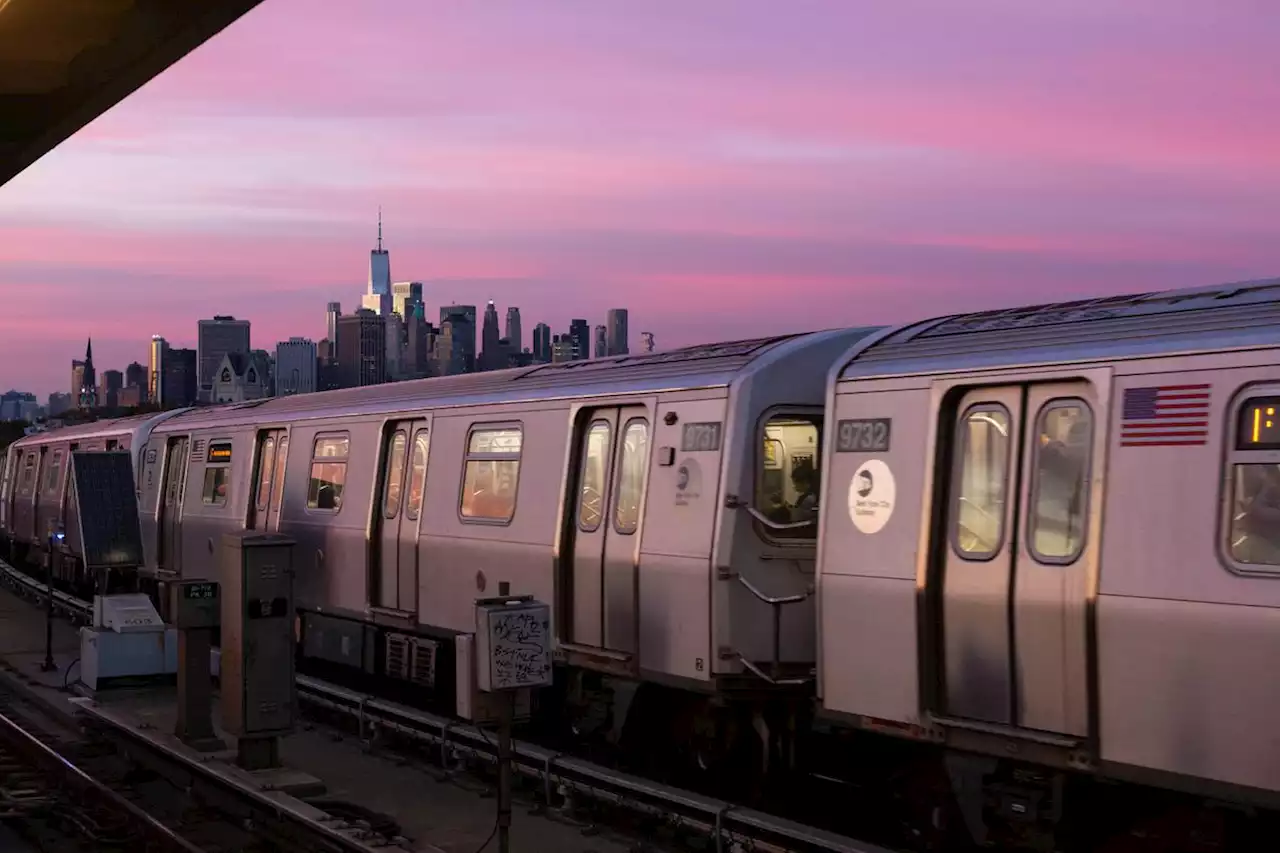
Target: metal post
(49,665)
(506,712)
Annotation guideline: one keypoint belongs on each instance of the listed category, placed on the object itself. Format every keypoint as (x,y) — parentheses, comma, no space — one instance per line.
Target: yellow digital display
(1259,427)
(219,453)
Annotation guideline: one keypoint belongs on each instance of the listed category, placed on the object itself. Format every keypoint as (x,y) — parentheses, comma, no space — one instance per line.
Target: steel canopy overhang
(63,63)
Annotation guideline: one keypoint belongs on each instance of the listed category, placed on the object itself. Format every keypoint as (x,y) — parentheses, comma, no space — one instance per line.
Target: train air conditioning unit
(411,659)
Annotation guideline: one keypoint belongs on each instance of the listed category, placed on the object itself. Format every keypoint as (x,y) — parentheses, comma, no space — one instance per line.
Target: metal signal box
(257,669)
(194,605)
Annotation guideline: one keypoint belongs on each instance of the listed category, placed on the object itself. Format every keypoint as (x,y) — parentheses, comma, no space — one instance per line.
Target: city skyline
(727,170)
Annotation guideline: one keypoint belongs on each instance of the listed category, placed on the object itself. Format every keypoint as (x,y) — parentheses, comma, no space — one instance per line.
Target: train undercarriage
(765,749)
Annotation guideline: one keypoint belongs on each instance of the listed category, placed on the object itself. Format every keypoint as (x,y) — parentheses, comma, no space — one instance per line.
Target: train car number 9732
(866,435)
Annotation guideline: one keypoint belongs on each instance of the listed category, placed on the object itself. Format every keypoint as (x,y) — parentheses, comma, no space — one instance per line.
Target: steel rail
(20,741)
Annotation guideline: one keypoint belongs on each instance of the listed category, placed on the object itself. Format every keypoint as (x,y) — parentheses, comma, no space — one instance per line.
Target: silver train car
(35,485)
(1052,535)
(652,500)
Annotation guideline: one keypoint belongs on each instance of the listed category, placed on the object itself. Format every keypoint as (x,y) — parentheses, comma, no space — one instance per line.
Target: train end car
(35,489)
(1049,551)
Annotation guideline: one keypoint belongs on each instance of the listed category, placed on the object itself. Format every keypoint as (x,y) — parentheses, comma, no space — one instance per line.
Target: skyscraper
(295,367)
(331,315)
(362,349)
(405,295)
(542,343)
(515,337)
(378,297)
(580,335)
(463,319)
(602,342)
(493,358)
(214,339)
(616,321)
(155,370)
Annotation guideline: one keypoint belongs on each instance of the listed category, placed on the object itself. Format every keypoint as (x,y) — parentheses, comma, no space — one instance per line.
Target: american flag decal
(1165,416)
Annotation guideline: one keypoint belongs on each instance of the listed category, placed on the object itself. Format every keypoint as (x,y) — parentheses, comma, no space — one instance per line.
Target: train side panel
(1188,633)
(868,626)
(332,552)
(217,488)
(462,559)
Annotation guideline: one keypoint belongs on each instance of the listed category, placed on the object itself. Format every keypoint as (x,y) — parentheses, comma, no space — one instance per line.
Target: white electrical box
(131,613)
(513,644)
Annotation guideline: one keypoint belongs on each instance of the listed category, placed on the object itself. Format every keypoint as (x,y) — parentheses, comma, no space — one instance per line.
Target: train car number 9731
(700,437)
(867,435)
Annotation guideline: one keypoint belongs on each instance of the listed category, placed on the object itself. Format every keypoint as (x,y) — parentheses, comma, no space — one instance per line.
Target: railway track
(559,781)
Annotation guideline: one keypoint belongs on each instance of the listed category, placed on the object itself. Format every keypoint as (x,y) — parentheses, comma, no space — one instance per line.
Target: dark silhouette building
(362,349)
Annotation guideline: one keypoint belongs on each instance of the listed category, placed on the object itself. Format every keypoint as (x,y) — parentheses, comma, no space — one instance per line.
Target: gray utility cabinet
(257,634)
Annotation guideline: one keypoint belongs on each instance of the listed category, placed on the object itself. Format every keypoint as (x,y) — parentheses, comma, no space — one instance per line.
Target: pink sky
(722,168)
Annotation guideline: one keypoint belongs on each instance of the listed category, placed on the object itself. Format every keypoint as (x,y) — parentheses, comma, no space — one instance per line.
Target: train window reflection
(1254,528)
(217,478)
(787,486)
(418,477)
(266,470)
(978,521)
(28,475)
(53,476)
(394,475)
(1064,438)
(491,474)
(328,473)
(595,469)
(635,458)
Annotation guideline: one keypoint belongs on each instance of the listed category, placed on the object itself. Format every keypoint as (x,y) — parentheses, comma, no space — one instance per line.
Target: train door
(404,477)
(1014,575)
(175,481)
(613,460)
(272,453)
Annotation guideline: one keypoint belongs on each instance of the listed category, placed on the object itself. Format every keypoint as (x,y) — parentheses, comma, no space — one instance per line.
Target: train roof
(703,366)
(110,428)
(1239,315)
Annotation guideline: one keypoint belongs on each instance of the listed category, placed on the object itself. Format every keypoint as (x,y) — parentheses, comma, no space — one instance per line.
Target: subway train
(1036,549)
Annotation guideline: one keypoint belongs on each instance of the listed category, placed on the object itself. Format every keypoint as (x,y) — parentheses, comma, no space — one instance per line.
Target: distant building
(109,390)
(580,335)
(296,366)
(59,403)
(214,339)
(542,343)
(406,296)
(155,370)
(419,345)
(515,336)
(462,319)
(240,377)
(180,379)
(88,389)
(362,349)
(331,315)
(135,376)
(18,406)
(563,348)
(602,342)
(378,297)
(129,396)
(494,356)
(616,322)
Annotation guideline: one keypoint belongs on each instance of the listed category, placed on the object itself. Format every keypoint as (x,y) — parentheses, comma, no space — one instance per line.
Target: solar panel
(107,508)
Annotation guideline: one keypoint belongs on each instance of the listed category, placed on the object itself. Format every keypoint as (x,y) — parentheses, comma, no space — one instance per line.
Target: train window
(394,475)
(282,458)
(631,469)
(982,482)
(595,467)
(417,475)
(266,471)
(1253,499)
(28,475)
(491,474)
(1059,485)
(328,472)
(217,479)
(787,481)
(53,474)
